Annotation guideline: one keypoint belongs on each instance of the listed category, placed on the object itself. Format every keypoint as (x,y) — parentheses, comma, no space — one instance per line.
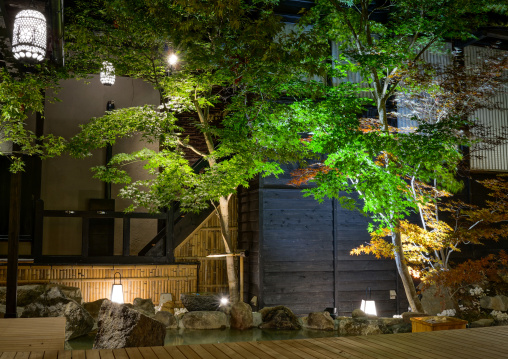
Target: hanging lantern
(117,290)
(29,36)
(107,75)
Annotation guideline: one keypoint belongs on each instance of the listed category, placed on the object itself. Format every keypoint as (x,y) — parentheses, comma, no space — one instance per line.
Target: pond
(188,336)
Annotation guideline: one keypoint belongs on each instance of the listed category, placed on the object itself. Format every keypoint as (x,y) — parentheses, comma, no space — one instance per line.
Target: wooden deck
(465,343)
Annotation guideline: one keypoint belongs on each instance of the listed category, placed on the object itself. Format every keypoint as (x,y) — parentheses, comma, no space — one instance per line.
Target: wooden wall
(299,253)
(205,240)
(248,239)
(144,281)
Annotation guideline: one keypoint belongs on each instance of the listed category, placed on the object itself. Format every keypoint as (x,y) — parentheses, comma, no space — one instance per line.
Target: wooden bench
(32,334)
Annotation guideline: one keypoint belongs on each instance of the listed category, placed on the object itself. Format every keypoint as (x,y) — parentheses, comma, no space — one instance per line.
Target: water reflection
(188,336)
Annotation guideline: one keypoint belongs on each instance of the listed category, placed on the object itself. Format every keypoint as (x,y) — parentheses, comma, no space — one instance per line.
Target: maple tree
(385,43)
(235,64)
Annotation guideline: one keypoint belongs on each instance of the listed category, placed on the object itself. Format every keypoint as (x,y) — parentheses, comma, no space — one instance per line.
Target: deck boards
(482,343)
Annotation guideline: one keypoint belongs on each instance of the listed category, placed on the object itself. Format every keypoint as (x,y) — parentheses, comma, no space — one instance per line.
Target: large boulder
(499,302)
(73,293)
(123,327)
(279,317)
(318,321)
(26,294)
(94,308)
(257,319)
(204,320)
(436,300)
(200,301)
(145,306)
(54,303)
(351,326)
(481,323)
(241,316)
(3,309)
(166,318)
(29,293)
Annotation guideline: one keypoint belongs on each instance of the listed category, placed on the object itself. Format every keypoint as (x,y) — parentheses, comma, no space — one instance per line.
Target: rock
(53,303)
(351,326)
(257,319)
(241,316)
(144,306)
(499,302)
(399,328)
(94,308)
(26,294)
(123,327)
(166,318)
(168,307)
(318,321)
(358,313)
(279,317)
(200,301)
(204,320)
(165,297)
(73,293)
(406,316)
(481,323)
(434,301)
(3,309)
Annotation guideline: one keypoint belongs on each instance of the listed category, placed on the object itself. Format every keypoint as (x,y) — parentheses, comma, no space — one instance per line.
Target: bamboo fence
(95,281)
(205,240)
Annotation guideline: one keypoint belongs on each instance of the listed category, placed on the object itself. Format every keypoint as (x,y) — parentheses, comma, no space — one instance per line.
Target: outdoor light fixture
(368,306)
(117,290)
(29,36)
(107,75)
(172,59)
(224,301)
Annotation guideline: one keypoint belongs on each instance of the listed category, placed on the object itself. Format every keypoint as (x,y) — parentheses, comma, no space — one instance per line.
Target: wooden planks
(30,334)
(482,343)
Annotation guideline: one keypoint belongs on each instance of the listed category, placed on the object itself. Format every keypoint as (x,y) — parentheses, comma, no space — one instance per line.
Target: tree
(235,65)
(386,41)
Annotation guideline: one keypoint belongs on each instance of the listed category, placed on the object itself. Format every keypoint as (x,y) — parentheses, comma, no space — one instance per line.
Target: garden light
(117,290)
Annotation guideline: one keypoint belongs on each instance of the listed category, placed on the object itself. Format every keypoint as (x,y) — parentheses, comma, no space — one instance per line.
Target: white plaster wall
(67,183)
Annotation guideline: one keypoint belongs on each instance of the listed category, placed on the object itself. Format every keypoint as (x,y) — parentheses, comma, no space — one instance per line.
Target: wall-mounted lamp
(29,36)
(368,305)
(117,290)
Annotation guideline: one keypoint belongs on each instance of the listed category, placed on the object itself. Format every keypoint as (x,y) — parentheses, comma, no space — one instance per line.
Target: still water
(188,336)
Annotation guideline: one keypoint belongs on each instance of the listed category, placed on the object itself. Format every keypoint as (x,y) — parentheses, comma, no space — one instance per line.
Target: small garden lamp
(29,36)
(117,290)
(368,306)
(107,75)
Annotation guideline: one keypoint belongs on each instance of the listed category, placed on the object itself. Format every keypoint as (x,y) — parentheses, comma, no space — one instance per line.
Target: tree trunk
(230,260)
(407,280)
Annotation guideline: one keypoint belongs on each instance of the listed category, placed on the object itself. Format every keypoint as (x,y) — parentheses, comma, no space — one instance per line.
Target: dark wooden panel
(366,276)
(365,264)
(295,278)
(301,287)
(320,266)
(303,245)
(291,234)
(298,298)
(293,254)
(375,284)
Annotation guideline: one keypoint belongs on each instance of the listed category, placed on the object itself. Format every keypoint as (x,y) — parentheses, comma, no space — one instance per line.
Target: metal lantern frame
(29,37)
(117,290)
(107,75)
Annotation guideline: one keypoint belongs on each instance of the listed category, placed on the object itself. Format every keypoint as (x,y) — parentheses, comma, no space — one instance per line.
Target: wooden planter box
(434,323)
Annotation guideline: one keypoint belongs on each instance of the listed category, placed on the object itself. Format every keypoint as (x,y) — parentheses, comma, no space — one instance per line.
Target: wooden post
(85,235)
(126,247)
(241,277)
(169,243)
(13,246)
(37,230)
